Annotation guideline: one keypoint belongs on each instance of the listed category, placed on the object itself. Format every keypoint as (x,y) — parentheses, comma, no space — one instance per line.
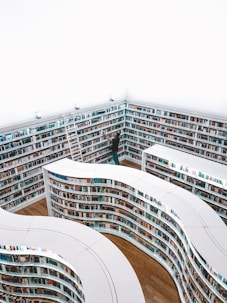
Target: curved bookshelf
(167,222)
(50,260)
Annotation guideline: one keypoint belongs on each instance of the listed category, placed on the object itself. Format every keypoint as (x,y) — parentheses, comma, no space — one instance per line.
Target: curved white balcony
(167,222)
(80,264)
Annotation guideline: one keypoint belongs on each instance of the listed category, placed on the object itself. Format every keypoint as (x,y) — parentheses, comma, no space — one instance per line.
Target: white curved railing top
(203,227)
(105,273)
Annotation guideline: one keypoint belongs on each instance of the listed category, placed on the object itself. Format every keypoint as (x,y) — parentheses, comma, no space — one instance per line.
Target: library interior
(113,151)
(167,199)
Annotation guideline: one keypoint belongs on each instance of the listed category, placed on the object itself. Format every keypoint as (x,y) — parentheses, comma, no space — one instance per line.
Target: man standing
(114,146)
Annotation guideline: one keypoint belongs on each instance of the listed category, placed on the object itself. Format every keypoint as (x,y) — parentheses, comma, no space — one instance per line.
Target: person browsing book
(114,146)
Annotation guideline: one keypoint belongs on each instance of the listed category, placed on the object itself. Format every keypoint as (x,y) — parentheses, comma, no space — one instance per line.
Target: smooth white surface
(56,54)
(105,273)
(207,232)
(194,163)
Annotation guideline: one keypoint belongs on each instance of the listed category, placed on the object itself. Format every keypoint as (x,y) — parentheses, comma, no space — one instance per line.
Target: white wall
(57,54)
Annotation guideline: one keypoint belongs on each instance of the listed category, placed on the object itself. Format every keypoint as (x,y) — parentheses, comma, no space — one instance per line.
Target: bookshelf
(27,147)
(200,134)
(78,135)
(165,221)
(44,259)
(204,178)
(34,274)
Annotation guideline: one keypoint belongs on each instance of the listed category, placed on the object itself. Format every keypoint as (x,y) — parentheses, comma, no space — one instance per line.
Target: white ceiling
(57,54)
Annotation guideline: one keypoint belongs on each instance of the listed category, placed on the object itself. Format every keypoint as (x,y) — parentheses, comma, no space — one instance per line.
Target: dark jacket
(115,143)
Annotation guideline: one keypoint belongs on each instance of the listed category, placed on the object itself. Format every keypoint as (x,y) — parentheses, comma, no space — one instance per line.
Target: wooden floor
(157,284)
